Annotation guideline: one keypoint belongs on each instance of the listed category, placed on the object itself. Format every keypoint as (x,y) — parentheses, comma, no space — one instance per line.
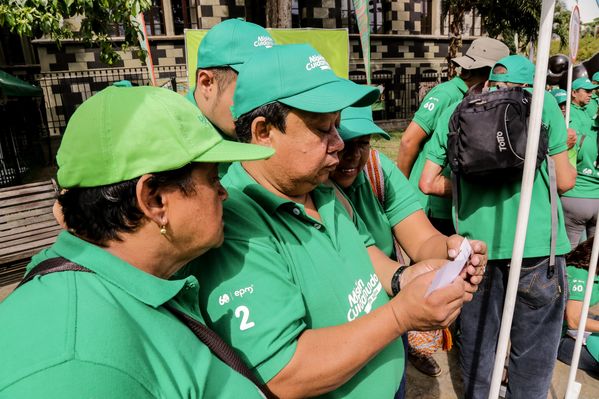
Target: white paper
(451,269)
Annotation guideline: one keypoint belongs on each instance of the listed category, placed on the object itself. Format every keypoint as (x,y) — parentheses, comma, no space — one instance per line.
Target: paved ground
(448,384)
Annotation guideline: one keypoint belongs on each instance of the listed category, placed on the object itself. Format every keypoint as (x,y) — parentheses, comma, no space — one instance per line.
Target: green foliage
(47,18)
(587,47)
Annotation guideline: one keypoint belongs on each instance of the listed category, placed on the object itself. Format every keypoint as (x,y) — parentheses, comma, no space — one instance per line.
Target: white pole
(532,144)
(569,91)
(573,387)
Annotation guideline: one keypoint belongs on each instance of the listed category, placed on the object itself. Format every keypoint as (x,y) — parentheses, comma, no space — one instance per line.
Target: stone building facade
(409,43)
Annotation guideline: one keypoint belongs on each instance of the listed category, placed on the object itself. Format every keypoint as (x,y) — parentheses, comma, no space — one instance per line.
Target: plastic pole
(532,144)
(573,387)
(569,92)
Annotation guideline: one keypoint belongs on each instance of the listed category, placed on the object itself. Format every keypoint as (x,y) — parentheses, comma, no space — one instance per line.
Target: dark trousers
(535,333)
(586,362)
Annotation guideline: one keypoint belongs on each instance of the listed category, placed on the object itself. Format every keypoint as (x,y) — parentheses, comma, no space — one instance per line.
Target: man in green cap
(561,97)
(489,212)
(98,314)
(294,288)
(221,55)
(581,118)
(475,66)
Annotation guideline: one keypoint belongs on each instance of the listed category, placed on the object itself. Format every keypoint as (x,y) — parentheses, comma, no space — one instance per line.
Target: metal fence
(65,91)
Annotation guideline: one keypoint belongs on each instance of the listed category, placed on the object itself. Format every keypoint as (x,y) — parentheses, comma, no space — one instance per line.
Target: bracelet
(395,280)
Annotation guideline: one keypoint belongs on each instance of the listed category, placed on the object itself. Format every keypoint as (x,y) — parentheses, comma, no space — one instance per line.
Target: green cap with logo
(298,76)
(595,77)
(561,96)
(358,122)
(519,70)
(583,83)
(231,43)
(125,132)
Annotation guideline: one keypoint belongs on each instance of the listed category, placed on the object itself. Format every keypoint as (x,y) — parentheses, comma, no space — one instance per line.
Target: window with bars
(154,18)
(426,17)
(375,11)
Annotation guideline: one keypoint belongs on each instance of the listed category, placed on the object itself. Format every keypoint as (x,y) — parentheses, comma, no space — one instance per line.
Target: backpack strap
(216,344)
(553,197)
(376,178)
(374,173)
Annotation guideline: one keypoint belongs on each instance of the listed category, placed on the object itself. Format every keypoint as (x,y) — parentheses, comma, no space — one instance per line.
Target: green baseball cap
(519,70)
(231,43)
(583,83)
(595,77)
(561,96)
(357,122)
(298,76)
(125,132)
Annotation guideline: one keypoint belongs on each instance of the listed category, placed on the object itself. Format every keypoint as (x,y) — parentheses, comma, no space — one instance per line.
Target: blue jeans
(535,333)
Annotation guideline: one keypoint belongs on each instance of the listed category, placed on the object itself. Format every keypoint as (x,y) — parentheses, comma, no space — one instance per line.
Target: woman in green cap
(582,202)
(389,207)
(97,315)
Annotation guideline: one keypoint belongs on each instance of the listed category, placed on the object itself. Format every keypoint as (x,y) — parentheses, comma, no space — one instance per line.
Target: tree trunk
(455,41)
(278,13)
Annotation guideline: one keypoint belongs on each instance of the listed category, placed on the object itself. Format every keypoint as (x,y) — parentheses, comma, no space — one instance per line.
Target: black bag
(487,136)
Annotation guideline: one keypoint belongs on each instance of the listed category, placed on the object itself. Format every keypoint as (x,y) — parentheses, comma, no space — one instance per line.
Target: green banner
(333,44)
(362,16)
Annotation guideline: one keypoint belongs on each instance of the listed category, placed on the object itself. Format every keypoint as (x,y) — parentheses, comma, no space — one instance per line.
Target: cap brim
(352,128)
(469,63)
(588,86)
(230,151)
(333,96)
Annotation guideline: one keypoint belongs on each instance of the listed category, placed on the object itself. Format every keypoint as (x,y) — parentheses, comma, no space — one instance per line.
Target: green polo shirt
(587,178)
(222,166)
(593,106)
(106,335)
(400,201)
(580,120)
(489,212)
(427,117)
(280,272)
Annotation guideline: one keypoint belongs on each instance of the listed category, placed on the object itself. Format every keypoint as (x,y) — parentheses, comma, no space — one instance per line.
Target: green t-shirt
(280,272)
(587,179)
(489,212)
(106,335)
(222,166)
(400,201)
(427,117)
(577,283)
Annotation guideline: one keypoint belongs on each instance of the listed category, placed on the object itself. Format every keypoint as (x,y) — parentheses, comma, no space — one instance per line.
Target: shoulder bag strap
(553,198)
(217,346)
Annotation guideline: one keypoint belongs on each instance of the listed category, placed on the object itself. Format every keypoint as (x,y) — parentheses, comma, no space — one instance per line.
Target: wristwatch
(395,280)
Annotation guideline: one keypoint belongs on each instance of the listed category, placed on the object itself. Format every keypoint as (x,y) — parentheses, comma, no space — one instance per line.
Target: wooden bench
(27,226)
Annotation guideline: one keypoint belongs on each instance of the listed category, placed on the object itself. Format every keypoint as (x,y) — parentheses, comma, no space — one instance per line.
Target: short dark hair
(580,256)
(275,114)
(99,214)
(475,73)
(223,75)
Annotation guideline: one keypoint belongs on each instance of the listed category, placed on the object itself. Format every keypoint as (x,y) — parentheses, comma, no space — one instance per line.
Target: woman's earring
(163,230)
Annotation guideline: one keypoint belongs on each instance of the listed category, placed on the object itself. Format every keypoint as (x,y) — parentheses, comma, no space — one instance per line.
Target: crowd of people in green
(246,240)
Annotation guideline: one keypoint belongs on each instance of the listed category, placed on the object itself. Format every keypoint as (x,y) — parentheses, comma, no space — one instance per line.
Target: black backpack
(487,136)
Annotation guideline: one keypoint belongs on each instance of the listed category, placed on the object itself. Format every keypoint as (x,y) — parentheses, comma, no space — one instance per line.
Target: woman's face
(352,159)
(195,221)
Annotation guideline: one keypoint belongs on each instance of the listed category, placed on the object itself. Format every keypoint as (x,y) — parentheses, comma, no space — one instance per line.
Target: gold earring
(163,230)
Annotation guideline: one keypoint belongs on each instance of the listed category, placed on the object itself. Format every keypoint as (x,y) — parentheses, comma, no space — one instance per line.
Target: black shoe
(425,364)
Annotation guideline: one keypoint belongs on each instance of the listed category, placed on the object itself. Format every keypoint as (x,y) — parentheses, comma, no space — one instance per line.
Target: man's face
(351,161)
(581,97)
(306,154)
(215,100)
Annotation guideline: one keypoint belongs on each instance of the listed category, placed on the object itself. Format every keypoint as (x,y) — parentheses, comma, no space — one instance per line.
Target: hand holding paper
(448,273)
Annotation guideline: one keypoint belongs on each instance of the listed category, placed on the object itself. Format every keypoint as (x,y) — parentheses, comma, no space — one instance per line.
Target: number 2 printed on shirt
(243,312)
